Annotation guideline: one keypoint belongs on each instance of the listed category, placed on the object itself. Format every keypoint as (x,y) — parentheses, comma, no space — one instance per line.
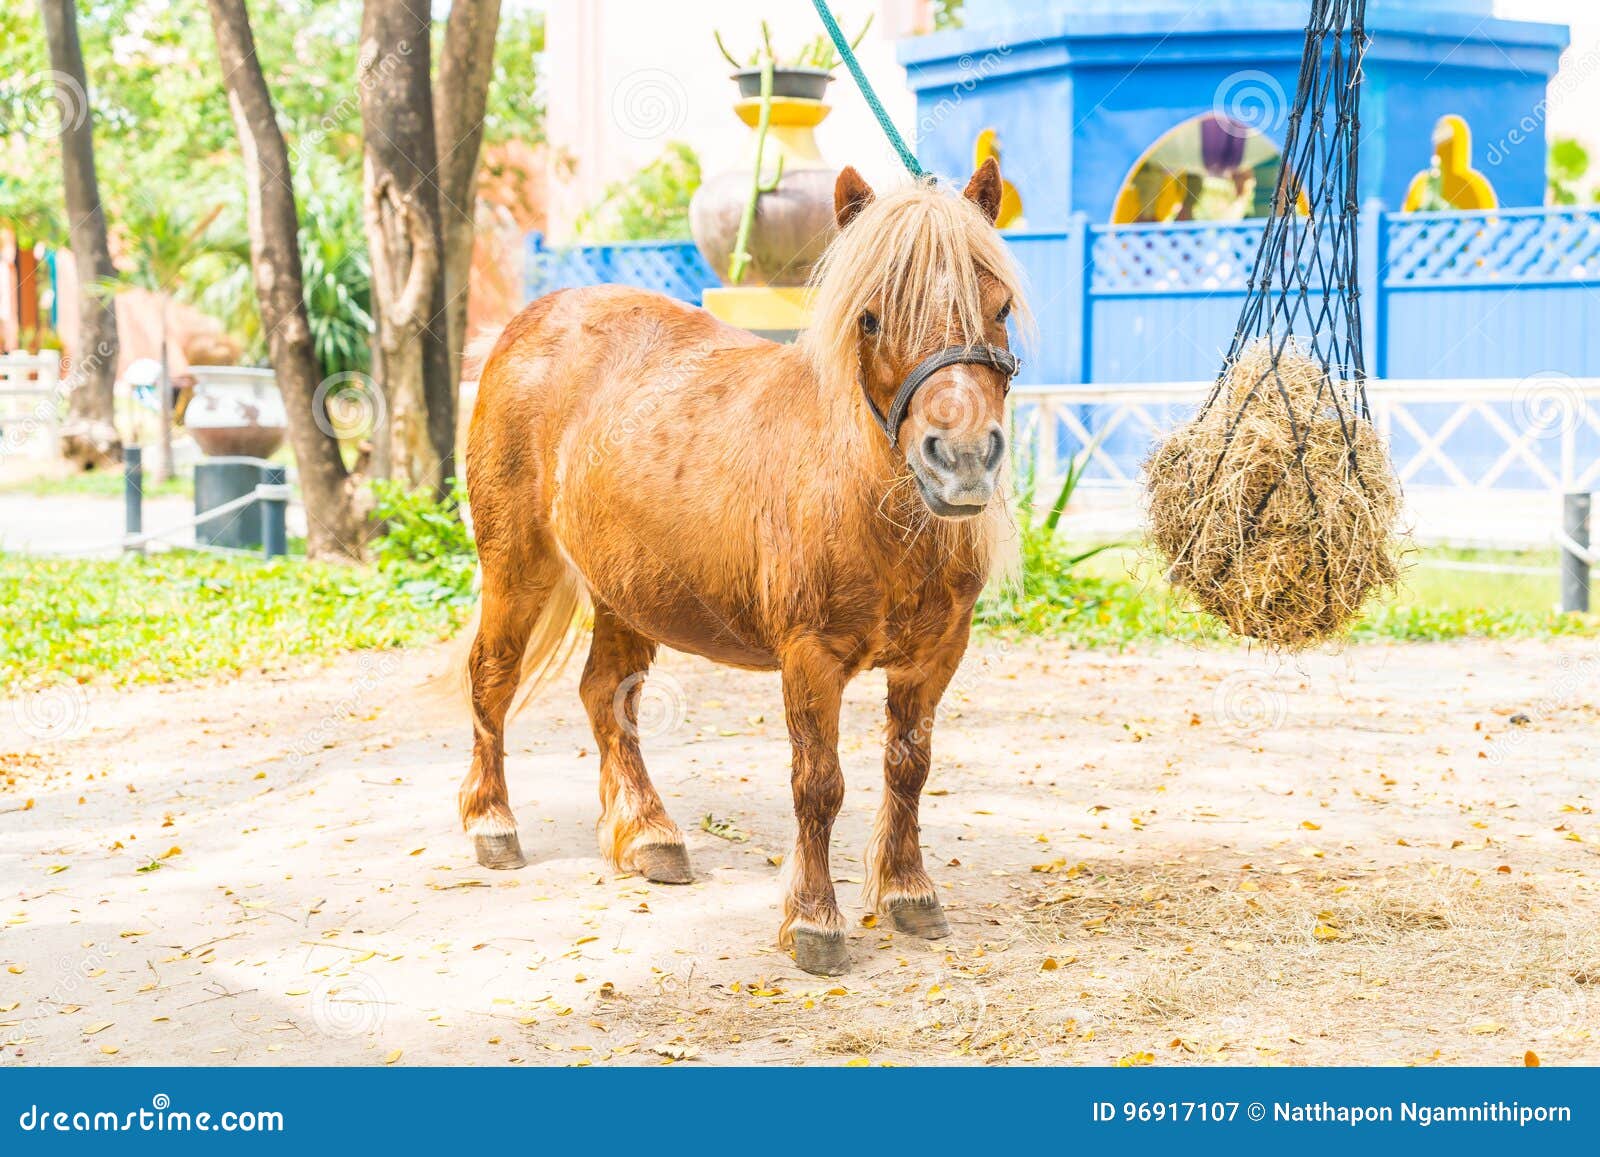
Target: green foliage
(948,14)
(166,244)
(515,110)
(425,545)
(163,130)
(1119,600)
(1569,165)
(653,204)
(186,616)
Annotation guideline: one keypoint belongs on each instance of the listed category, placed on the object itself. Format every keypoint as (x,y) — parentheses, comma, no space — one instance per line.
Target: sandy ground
(1167,857)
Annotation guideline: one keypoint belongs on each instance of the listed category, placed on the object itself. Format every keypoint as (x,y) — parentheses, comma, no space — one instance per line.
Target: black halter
(955,355)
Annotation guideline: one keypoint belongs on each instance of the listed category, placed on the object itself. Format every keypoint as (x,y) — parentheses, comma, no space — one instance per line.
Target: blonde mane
(914,257)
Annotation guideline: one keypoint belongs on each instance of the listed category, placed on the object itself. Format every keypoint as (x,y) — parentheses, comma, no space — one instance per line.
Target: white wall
(624,77)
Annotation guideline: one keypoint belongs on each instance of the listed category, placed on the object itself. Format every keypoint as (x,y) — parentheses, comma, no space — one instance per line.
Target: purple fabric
(1221,145)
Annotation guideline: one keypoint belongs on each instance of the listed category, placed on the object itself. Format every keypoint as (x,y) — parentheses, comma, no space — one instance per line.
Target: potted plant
(767,222)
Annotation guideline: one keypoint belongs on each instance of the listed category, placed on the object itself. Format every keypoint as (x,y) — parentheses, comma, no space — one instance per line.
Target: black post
(275,511)
(1574,564)
(132,495)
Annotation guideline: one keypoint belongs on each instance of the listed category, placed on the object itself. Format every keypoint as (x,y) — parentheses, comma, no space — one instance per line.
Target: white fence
(1545,430)
(30,402)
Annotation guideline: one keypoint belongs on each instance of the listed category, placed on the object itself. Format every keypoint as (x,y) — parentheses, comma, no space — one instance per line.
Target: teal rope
(847,54)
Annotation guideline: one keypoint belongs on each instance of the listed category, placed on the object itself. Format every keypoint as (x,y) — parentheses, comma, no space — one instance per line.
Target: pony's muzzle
(957,473)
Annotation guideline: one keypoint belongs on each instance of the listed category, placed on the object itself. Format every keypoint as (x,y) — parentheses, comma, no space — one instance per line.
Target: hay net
(1274,505)
(1303,295)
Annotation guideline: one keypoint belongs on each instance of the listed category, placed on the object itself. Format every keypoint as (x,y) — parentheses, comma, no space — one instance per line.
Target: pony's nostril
(997,449)
(933,449)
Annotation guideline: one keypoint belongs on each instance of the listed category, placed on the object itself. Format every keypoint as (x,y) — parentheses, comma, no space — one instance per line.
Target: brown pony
(765,506)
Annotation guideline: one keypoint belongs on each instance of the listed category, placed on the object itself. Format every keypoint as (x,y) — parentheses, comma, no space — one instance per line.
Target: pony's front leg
(898,887)
(813,684)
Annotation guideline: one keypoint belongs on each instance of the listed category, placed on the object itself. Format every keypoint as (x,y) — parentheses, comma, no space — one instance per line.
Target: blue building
(1080,94)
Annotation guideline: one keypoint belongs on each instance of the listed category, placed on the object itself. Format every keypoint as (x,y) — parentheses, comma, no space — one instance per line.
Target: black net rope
(1304,286)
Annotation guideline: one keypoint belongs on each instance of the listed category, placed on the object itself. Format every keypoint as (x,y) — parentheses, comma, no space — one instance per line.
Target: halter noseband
(955,355)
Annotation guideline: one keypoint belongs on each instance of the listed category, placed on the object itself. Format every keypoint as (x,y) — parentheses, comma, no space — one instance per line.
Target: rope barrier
(847,54)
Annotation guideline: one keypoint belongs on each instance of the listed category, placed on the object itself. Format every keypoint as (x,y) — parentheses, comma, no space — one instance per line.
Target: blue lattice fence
(674,268)
(1509,293)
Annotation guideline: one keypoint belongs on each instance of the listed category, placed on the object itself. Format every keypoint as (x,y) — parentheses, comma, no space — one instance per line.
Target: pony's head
(913,273)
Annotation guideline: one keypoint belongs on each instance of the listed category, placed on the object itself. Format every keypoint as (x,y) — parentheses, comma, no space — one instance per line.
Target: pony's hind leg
(510,611)
(898,886)
(635,832)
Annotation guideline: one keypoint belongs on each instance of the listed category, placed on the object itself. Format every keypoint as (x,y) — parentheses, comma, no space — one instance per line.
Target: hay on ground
(1274,509)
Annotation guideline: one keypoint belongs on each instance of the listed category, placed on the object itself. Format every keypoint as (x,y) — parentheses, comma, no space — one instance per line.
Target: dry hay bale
(1274,509)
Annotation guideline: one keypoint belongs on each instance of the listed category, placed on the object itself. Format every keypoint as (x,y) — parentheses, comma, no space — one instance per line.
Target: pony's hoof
(924,918)
(821,953)
(664,863)
(499,851)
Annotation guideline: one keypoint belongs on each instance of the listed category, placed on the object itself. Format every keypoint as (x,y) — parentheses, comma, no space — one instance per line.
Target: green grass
(179,615)
(1118,599)
(95,484)
(187,616)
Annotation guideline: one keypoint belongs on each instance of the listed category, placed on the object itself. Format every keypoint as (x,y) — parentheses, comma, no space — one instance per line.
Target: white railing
(30,401)
(1544,426)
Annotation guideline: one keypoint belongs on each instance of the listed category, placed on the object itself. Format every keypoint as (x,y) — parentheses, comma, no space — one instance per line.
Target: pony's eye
(1005,312)
(869,322)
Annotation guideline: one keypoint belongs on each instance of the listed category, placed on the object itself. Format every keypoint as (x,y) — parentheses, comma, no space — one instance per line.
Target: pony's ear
(851,194)
(984,189)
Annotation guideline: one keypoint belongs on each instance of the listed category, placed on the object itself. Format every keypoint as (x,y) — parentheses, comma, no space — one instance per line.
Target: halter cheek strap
(956,355)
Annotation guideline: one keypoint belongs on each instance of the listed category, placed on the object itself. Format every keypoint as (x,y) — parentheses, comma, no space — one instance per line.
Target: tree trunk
(404,237)
(334,526)
(163,464)
(462,94)
(89,436)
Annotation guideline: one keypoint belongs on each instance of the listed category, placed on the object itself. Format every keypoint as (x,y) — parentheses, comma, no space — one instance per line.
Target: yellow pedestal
(777,312)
